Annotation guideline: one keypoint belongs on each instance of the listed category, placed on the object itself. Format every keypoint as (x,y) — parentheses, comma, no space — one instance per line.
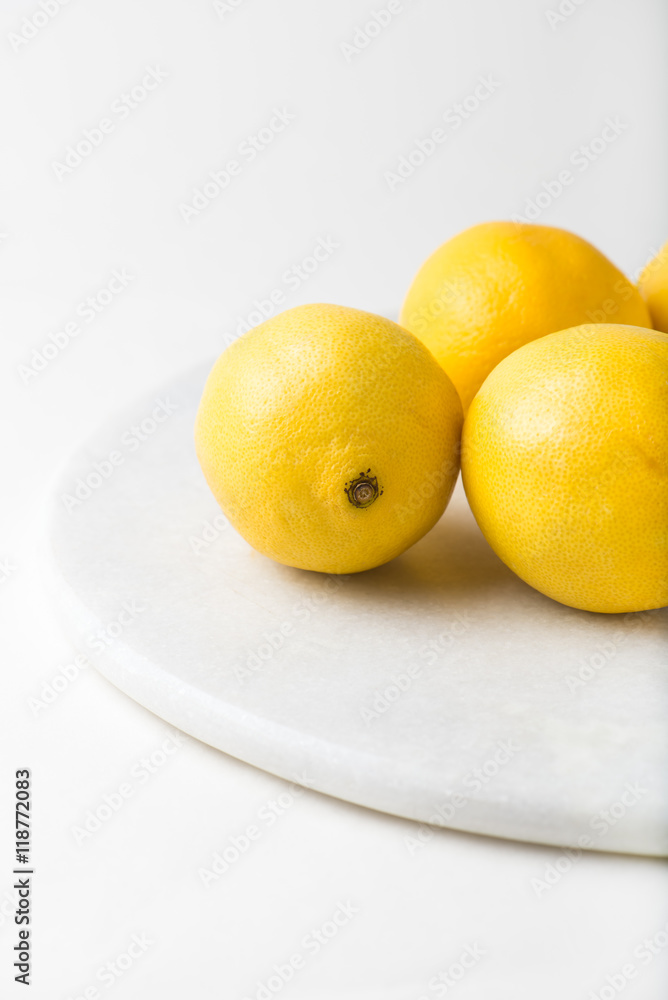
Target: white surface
(438,687)
(61,241)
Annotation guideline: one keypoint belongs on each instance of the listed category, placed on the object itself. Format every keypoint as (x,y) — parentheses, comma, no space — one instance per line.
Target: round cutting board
(439,687)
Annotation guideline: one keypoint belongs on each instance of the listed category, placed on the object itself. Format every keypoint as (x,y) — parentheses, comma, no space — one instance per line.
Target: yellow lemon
(565,465)
(330,438)
(499,285)
(653,285)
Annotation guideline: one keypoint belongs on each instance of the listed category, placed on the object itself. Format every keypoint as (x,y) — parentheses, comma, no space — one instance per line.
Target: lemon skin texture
(565,466)
(499,285)
(653,285)
(330,438)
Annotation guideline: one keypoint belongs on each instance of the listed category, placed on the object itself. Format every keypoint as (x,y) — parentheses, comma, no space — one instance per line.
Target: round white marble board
(438,687)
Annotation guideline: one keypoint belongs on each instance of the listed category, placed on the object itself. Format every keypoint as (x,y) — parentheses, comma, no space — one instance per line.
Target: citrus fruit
(565,465)
(653,285)
(499,285)
(330,438)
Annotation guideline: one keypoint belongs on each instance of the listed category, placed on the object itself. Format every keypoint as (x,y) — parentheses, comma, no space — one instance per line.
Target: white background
(555,84)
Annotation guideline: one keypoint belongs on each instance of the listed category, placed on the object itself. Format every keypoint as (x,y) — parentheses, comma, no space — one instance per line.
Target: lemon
(499,285)
(653,285)
(330,438)
(565,465)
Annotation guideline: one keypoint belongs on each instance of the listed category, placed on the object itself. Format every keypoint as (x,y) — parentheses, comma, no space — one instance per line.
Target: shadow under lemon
(452,565)
(453,568)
